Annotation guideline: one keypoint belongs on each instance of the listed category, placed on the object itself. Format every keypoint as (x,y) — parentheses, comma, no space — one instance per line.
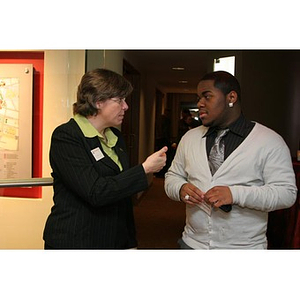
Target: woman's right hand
(156,161)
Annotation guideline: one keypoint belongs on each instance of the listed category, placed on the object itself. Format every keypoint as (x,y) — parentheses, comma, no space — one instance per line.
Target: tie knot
(221,133)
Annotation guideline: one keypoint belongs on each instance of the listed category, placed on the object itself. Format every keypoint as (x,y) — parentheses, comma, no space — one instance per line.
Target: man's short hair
(224,81)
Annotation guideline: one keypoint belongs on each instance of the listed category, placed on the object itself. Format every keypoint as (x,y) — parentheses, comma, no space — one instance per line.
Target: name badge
(97,153)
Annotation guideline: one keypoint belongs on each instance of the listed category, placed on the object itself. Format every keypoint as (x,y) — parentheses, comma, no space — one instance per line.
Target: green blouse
(107,144)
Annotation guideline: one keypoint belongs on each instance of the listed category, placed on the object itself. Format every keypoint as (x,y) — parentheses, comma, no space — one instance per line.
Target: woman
(93,183)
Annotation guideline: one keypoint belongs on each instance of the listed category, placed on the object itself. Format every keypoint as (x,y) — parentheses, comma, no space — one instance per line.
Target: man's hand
(218,196)
(190,194)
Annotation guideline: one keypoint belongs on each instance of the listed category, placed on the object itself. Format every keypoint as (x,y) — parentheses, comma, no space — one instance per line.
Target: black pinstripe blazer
(92,199)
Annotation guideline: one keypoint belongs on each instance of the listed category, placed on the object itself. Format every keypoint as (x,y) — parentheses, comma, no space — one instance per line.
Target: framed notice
(16,94)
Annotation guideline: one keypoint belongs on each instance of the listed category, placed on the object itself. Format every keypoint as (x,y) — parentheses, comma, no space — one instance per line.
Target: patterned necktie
(216,155)
(216,158)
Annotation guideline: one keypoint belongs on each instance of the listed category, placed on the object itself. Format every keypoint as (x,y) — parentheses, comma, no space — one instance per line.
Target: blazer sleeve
(99,182)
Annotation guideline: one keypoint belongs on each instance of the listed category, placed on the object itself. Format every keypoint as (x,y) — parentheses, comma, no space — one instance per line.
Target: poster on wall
(16,82)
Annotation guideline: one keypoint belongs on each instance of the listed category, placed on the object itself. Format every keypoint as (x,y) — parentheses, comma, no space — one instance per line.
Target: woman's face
(112,111)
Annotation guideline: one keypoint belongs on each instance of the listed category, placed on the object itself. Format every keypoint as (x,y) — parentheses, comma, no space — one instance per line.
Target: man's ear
(232,97)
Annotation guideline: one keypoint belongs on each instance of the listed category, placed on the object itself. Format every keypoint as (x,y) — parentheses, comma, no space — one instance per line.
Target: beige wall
(110,59)
(22,220)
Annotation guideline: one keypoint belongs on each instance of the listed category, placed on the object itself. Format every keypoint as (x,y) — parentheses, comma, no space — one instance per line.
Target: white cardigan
(260,176)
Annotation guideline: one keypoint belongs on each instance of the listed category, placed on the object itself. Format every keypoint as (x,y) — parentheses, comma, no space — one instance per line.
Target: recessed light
(178,68)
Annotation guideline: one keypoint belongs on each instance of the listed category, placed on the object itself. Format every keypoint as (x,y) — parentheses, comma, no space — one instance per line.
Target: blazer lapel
(94,143)
(122,156)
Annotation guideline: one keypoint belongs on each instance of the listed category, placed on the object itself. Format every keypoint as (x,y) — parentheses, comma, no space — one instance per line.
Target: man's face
(212,104)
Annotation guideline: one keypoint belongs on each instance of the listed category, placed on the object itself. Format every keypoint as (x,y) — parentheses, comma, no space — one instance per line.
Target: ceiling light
(183,81)
(178,68)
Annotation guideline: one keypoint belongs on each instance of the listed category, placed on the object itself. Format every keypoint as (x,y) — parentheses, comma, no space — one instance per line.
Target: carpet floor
(159,220)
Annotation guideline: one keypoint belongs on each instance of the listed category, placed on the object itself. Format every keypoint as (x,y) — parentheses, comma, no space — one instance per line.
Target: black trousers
(183,245)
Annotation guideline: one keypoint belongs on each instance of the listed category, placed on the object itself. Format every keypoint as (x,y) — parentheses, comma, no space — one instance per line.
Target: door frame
(131,123)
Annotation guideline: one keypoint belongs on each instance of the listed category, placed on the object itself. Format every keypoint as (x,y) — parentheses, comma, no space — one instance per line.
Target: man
(227,208)
(186,123)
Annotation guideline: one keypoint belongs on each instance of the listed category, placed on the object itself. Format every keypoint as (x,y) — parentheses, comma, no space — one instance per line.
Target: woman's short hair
(99,85)
(224,81)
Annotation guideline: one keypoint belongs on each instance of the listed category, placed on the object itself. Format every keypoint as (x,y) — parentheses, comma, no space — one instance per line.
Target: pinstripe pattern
(92,199)
(238,131)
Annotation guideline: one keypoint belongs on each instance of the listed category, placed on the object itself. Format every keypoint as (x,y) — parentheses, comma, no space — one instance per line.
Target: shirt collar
(90,131)
(238,127)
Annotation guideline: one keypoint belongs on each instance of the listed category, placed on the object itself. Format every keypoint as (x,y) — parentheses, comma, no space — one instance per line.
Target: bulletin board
(21,99)
(16,84)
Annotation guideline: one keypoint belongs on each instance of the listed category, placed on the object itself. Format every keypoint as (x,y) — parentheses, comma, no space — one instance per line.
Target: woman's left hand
(156,161)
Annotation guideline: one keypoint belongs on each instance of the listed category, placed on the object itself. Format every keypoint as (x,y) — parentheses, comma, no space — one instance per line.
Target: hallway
(159,220)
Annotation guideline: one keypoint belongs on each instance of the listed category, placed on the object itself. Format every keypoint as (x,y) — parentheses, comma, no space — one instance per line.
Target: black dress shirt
(238,131)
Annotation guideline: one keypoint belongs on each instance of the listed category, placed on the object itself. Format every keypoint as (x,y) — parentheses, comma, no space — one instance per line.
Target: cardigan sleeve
(177,173)
(278,189)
